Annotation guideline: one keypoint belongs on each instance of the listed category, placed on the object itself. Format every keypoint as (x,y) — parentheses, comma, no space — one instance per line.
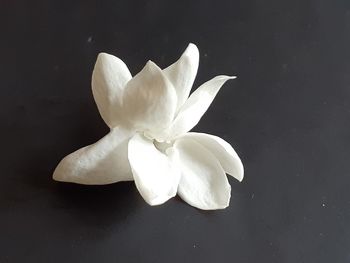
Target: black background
(287,115)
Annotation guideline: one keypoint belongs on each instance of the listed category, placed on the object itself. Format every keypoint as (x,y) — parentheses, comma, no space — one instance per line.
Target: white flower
(150,116)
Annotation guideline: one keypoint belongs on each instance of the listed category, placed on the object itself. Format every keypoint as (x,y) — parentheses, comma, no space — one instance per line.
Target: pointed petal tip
(217,206)
(225,77)
(152,65)
(239,174)
(240,177)
(115,62)
(58,175)
(192,46)
(158,200)
(55,177)
(191,51)
(103,56)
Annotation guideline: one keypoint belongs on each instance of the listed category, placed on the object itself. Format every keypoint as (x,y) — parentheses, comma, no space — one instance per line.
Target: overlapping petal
(109,78)
(149,100)
(183,72)
(103,162)
(203,182)
(223,152)
(196,105)
(155,176)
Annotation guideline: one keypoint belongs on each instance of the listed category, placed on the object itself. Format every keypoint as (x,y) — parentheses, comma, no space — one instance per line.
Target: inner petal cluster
(163,146)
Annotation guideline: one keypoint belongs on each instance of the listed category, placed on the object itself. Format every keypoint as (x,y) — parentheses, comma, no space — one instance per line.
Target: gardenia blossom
(150,116)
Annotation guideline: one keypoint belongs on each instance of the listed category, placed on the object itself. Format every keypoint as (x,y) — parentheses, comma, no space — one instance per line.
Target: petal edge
(223,152)
(149,100)
(203,183)
(196,105)
(183,73)
(109,78)
(103,162)
(155,177)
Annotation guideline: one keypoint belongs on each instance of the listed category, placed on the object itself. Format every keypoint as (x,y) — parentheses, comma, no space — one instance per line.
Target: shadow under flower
(98,204)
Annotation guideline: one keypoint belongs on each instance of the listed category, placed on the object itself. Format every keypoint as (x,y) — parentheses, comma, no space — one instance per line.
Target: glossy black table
(287,115)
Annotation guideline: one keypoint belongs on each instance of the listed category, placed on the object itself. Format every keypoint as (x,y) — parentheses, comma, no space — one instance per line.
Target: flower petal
(103,162)
(109,78)
(223,152)
(203,182)
(155,177)
(196,105)
(183,72)
(150,99)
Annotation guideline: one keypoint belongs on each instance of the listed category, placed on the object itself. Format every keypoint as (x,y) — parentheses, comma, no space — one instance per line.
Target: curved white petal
(203,182)
(183,72)
(223,152)
(196,105)
(103,162)
(109,78)
(149,100)
(155,177)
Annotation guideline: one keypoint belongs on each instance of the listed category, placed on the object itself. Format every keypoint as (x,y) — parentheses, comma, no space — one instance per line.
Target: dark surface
(287,115)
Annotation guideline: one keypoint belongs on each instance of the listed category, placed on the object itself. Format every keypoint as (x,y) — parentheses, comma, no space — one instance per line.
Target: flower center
(162,146)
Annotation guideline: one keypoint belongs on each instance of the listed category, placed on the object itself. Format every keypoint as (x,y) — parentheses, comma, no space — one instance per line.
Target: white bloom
(150,116)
